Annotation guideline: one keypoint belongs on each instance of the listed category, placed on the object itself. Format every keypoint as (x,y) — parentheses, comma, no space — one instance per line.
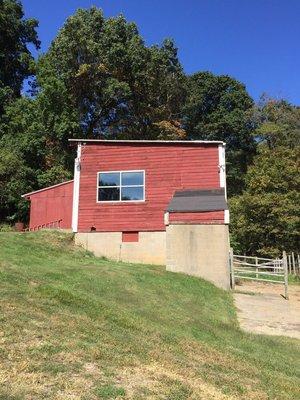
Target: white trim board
(76,188)
(148,141)
(222,168)
(226,217)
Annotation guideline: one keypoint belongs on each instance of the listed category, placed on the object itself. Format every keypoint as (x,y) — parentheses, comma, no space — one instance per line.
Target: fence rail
(259,269)
(49,225)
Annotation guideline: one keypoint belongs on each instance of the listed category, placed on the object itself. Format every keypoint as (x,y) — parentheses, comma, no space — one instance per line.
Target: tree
(16,61)
(219,108)
(28,159)
(15,178)
(118,87)
(278,123)
(98,79)
(266,217)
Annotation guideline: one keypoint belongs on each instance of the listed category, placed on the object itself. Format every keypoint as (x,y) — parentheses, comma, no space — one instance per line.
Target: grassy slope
(76,327)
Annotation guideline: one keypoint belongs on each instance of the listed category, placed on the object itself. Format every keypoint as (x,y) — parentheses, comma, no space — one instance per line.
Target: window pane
(109,179)
(132,178)
(109,194)
(132,193)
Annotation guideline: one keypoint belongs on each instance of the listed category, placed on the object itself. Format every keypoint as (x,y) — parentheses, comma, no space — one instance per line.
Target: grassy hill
(73,326)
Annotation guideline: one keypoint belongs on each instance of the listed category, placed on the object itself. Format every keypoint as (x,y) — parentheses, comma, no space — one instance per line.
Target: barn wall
(205,217)
(168,167)
(52,204)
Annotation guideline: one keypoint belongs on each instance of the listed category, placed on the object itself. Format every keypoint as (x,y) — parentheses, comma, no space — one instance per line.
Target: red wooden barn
(141,200)
(51,207)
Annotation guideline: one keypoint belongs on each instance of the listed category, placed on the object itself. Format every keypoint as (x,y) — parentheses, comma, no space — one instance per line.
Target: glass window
(121,186)
(109,194)
(109,179)
(132,193)
(132,178)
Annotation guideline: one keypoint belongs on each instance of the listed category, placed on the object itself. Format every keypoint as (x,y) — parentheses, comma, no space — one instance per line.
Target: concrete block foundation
(150,248)
(199,250)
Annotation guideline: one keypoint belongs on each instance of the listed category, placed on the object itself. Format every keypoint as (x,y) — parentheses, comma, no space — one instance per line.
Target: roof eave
(219,142)
(27,195)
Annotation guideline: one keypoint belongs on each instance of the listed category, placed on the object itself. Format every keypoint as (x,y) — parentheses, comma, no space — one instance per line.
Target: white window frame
(120,187)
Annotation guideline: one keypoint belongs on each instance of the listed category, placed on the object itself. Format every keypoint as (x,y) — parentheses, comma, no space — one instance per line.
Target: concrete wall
(150,249)
(199,250)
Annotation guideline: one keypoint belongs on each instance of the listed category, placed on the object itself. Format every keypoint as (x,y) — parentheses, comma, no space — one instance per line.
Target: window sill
(122,202)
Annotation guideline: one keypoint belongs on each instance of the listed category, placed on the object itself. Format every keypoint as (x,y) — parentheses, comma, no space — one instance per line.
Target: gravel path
(262,309)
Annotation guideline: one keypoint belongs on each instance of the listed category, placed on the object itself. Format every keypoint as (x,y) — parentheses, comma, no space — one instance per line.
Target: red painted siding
(130,236)
(168,167)
(52,204)
(207,217)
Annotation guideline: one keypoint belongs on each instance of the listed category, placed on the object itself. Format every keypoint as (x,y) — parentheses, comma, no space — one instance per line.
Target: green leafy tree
(278,123)
(15,178)
(16,61)
(98,79)
(28,160)
(116,86)
(266,217)
(219,108)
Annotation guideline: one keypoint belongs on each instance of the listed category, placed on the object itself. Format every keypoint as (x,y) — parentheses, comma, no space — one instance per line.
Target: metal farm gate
(259,269)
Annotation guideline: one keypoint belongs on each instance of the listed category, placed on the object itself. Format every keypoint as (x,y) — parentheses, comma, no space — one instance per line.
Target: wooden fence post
(232,280)
(276,265)
(286,276)
(293,262)
(289,260)
(256,269)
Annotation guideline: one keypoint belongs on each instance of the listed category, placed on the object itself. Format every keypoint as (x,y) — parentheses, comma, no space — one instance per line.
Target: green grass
(73,326)
(294,279)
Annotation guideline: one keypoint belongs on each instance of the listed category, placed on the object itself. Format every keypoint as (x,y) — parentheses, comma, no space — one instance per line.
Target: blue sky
(255,41)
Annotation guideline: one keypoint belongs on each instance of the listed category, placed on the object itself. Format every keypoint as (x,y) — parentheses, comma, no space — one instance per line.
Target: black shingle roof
(197,200)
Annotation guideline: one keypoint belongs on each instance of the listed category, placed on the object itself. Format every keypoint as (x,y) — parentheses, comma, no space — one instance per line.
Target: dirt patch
(263,309)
